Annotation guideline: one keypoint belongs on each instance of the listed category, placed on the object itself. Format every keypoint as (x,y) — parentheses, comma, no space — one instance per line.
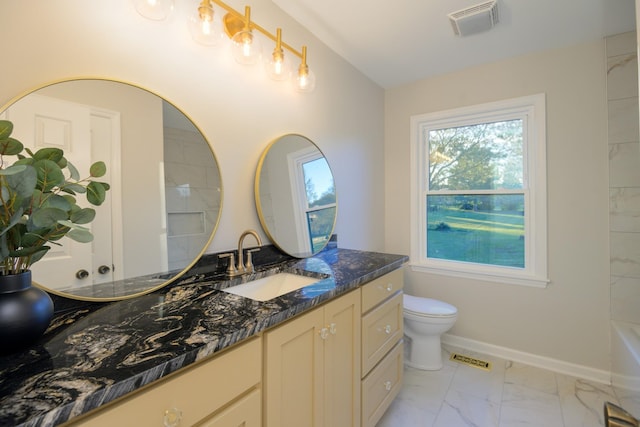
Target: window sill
(510,279)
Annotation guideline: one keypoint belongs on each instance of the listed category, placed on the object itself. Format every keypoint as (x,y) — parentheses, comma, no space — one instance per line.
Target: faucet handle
(231,268)
(248,265)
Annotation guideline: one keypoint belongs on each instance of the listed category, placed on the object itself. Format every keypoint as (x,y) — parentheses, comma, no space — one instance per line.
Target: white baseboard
(555,365)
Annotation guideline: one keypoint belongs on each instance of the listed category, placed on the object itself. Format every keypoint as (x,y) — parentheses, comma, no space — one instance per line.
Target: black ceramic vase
(25,312)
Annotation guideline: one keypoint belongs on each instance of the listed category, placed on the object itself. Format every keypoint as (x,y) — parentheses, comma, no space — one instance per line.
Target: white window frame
(533,111)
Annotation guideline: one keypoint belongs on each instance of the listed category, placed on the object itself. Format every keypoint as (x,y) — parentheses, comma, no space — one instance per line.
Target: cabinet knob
(104,269)
(172,417)
(324,333)
(332,329)
(387,329)
(389,287)
(387,385)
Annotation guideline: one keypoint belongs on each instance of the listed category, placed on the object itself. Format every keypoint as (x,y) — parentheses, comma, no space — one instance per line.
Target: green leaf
(73,172)
(49,175)
(46,217)
(58,202)
(49,153)
(98,169)
(25,161)
(35,237)
(73,188)
(70,199)
(83,216)
(10,147)
(13,169)
(28,251)
(79,235)
(15,219)
(6,127)
(37,256)
(96,193)
(77,232)
(23,183)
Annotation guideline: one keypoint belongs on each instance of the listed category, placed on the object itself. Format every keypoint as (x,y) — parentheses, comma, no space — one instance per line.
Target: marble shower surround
(624,176)
(94,354)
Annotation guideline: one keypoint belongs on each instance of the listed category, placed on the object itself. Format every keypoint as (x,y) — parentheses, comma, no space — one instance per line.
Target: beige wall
(569,319)
(238,109)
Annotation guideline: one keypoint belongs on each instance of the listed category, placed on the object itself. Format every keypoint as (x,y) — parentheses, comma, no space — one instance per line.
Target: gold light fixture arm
(234,21)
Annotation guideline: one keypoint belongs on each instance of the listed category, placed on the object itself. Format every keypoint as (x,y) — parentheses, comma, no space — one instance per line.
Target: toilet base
(425,353)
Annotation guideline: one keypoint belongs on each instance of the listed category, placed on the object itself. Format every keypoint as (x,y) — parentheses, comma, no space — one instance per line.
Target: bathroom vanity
(191,354)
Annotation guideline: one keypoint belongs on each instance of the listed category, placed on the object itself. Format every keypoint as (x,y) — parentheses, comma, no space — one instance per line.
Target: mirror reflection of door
(41,121)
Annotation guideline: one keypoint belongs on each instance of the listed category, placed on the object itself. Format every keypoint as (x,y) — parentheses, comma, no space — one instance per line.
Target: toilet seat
(427,307)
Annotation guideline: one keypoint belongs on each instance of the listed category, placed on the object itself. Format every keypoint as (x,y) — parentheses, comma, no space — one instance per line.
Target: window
(314,194)
(479,192)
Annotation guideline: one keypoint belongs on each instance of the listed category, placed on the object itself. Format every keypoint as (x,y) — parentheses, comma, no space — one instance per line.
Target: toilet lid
(427,306)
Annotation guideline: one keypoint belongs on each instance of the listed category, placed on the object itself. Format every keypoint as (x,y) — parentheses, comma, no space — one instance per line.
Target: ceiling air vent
(474,19)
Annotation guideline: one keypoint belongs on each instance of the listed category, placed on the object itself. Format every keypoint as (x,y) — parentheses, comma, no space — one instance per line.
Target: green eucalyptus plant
(38,203)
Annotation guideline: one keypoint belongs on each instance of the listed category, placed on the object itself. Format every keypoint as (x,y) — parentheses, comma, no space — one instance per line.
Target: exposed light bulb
(305,80)
(278,66)
(156,10)
(202,27)
(246,48)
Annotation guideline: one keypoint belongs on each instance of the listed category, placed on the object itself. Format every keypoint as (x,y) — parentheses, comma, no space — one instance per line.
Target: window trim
(535,186)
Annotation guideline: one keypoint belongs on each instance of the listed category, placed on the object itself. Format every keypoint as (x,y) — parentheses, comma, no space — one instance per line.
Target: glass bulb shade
(205,30)
(156,10)
(305,80)
(245,48)
(278,66)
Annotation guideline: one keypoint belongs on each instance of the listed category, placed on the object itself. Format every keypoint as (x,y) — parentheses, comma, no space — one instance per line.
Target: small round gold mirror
(296,196)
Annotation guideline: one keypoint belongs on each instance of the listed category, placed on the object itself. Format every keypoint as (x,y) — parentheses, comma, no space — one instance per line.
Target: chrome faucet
(242,267)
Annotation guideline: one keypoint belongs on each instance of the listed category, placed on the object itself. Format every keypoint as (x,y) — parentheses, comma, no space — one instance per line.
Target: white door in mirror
(41,121)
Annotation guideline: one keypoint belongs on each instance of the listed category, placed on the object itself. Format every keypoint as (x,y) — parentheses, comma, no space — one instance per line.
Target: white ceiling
(401,41)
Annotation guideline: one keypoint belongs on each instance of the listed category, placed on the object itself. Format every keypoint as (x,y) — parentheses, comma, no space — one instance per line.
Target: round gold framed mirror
(296,196)
(165,200)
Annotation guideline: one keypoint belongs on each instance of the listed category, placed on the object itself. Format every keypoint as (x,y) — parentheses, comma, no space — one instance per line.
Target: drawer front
(381,330)
(378,290)
(195,393)
(381,386)
(244,412)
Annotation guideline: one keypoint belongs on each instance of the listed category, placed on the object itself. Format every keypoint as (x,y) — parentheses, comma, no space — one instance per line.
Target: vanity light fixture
(245,45)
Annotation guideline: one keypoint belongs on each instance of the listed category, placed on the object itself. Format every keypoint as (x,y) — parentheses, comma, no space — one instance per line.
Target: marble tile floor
(511,394)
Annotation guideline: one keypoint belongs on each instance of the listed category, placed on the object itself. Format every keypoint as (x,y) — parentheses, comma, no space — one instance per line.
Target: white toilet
(425,320)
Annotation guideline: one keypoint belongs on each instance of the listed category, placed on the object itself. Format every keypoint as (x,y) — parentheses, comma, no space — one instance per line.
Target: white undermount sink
(271,286)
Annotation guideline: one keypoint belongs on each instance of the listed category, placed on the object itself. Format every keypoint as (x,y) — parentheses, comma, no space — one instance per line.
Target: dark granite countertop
(93,355)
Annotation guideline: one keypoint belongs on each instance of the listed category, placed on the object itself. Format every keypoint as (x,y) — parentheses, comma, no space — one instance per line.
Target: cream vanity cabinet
(382,345)
(312,367)
(223,391)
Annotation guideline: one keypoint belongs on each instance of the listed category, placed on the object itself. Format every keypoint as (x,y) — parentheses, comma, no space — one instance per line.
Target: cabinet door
(293,373)
(342,361)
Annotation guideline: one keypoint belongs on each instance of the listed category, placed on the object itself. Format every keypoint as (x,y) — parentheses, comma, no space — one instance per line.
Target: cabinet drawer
(196,393)
(381,330)
(381,386)
(244,412)
(376,291)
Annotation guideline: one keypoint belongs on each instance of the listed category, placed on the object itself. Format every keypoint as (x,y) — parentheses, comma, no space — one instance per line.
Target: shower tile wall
(624,176)
(191,215)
